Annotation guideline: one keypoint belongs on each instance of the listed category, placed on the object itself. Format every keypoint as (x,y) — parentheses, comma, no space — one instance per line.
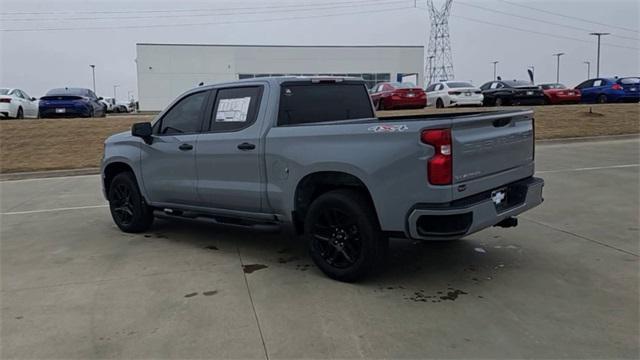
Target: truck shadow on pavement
(420,271)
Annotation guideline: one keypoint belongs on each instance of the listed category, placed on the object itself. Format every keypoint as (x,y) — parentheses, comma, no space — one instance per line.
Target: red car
(393,95)
(559,94)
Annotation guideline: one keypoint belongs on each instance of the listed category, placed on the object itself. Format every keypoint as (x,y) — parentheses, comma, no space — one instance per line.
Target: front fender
(127,153)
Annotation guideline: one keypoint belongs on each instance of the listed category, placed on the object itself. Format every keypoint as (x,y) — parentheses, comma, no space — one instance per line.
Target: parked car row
(392,95)
(61,102)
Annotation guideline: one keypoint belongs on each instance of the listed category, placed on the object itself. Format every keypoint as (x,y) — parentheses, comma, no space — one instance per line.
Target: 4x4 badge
(389,128)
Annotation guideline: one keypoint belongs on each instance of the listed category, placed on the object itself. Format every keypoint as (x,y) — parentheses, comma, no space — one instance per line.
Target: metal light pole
(495,63)
(114,91)
(430,69)
(93,71)
(588,68)
(533,73)
(598,34)
(558,69)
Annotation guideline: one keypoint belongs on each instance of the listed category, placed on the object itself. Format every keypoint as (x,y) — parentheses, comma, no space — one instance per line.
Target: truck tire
(19,113)
(128,208)
(498,102)
(343,235)
(439,104)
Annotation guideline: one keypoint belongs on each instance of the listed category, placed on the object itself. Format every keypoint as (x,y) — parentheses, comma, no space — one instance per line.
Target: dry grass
(36,145)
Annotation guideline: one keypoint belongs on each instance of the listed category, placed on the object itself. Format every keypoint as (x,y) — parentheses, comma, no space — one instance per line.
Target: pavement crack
(581,237)
(253,307)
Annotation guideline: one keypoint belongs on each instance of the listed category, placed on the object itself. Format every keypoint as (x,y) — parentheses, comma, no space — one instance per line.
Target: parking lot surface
(563,284)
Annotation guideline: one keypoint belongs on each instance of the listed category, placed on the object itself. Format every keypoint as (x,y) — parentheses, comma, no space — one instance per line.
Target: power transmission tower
(439,63)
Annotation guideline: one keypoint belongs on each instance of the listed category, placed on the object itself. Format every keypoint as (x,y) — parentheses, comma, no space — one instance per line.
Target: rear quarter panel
(392,165)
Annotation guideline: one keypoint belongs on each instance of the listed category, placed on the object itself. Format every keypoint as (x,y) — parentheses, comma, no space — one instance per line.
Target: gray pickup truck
(309,155)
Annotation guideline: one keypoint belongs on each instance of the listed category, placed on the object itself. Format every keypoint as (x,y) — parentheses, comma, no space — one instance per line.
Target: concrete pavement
(563,284)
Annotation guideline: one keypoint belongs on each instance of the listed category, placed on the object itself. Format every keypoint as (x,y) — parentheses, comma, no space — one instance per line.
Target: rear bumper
(528,100)
(466,100)
(561,99)
(468,215)
(70,111)
(6,110)
(629,98)
(406,103)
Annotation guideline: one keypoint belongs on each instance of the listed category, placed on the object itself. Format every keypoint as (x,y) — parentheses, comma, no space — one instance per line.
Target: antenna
(438,60)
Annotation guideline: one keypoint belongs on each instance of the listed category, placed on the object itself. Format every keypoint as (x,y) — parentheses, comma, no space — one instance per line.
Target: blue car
(604,90)
(71,102)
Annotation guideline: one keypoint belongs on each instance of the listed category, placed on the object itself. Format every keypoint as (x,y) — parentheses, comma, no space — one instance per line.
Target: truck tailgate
(485,146)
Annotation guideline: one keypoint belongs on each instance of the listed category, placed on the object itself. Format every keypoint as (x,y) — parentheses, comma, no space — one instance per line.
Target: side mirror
(100,98)
(33,99)
(142,130)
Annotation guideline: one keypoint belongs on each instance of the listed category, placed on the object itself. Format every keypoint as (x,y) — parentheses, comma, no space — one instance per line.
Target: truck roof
(277,80)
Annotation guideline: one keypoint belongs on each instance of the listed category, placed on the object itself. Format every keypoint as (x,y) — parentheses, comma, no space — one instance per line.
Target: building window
(370,79)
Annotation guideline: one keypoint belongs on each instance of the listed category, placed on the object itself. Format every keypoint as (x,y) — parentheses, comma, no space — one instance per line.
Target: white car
(15,103)
(109,103)
(123,106)
(453,93)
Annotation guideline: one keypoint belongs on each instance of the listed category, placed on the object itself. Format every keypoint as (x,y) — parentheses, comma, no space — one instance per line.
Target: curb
(589,138)
(49,174)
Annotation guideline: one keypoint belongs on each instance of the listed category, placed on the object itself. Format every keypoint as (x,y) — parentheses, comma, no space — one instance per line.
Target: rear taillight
(5,100)
(439,166)
(616,87)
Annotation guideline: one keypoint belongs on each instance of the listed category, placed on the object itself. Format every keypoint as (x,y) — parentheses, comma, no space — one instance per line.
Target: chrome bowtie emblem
(497,197)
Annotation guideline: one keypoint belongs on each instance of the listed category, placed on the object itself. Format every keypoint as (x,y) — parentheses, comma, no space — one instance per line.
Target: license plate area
(507,197)
(61,110)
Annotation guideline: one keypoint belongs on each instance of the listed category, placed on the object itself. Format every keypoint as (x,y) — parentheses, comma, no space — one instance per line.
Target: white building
(167,70)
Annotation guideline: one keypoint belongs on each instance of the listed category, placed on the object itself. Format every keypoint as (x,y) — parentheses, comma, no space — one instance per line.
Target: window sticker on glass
(233,110)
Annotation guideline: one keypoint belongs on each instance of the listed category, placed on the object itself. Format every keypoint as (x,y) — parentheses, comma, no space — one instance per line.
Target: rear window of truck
(313,103)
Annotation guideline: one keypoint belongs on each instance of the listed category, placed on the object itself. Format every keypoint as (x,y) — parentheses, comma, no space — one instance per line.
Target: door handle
(185,147)
(246,146)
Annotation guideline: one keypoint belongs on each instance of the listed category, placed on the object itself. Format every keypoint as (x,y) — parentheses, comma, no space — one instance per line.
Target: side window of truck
(312,103)
(185,117)
(235,108)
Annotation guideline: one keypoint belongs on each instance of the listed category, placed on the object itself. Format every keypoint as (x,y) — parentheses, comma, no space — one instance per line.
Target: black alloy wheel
(128,208)
(122,204)
(336,237)
(343,235)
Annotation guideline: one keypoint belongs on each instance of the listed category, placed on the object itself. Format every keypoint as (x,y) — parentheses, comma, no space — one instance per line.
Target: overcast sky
(37,60)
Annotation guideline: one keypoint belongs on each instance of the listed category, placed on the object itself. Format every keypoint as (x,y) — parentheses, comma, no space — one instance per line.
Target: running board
(240,223)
